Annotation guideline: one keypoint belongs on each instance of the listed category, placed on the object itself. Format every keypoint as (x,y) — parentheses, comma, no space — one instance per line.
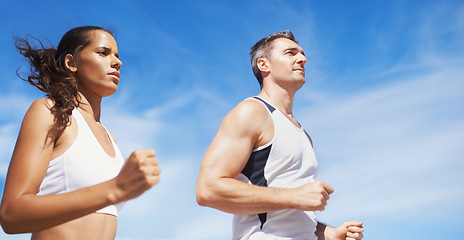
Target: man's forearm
(232,196)
(323,231)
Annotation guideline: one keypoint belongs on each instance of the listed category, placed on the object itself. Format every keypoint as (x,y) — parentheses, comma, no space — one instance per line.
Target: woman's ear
(69,63)
(263,65)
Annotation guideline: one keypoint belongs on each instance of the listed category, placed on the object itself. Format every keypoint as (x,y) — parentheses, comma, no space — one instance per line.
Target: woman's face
(97,68)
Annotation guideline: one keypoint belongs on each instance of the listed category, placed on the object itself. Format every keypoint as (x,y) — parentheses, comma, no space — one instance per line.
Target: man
(261,165)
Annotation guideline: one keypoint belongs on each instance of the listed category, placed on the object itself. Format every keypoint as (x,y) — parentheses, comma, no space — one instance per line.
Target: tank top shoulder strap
(78,117)
(269,106)
(83,128)
(113,141)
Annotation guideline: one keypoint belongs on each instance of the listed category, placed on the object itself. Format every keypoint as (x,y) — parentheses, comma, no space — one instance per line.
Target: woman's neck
(91,106)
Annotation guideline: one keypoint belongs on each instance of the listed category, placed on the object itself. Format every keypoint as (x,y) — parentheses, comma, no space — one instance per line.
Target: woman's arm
(22,210)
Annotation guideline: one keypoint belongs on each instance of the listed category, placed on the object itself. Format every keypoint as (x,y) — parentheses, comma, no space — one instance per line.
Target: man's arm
(243,129)
(347,231)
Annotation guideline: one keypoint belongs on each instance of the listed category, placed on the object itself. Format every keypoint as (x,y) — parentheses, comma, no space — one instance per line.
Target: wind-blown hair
(49,74)
(263,48)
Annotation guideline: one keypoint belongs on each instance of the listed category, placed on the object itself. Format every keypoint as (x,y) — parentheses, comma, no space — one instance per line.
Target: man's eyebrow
(295,49)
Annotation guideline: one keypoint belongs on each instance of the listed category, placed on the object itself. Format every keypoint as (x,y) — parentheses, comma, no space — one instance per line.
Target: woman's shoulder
(41,111)
(39,123)
(49,103)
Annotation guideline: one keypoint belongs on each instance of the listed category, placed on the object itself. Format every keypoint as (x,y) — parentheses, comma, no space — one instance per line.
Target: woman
(67,178)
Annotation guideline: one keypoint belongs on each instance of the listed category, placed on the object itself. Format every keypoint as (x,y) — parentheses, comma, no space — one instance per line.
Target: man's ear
(70,63)
(263,64)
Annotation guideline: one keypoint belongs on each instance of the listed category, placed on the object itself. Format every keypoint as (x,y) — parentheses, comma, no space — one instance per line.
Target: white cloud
(391,149)
(394,150)
(13,107)
(173,199)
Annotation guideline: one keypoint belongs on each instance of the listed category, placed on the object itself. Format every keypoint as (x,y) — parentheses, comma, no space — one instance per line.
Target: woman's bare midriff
(95,226)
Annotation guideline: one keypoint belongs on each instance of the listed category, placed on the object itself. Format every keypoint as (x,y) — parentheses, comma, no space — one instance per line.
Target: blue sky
(384,102)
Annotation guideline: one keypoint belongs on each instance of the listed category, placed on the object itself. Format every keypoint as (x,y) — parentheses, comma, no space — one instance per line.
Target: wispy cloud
(180,141)
(384,103)
(394,149)
(386,160)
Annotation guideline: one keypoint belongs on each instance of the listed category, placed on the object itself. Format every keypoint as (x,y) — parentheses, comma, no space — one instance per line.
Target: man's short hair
(262,49)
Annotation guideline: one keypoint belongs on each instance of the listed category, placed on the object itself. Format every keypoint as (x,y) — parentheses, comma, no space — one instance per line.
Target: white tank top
(83,164)
(287,161)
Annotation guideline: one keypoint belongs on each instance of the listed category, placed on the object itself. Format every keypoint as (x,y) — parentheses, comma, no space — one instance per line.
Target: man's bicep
(233,144)
(227,155)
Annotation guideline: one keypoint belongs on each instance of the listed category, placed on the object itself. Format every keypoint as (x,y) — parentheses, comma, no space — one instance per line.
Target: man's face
(287,63)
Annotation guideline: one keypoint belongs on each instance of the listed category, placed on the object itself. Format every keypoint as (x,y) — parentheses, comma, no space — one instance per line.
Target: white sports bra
(83,164)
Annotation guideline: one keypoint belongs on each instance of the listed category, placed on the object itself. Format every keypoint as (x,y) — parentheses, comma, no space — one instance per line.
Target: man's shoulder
(248,114)
(250,110)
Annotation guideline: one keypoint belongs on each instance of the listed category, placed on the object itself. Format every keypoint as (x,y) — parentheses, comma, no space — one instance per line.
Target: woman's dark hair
(49,74)
(263,48)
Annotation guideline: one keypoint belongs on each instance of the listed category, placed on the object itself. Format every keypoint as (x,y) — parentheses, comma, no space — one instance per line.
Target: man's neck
(279,97)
